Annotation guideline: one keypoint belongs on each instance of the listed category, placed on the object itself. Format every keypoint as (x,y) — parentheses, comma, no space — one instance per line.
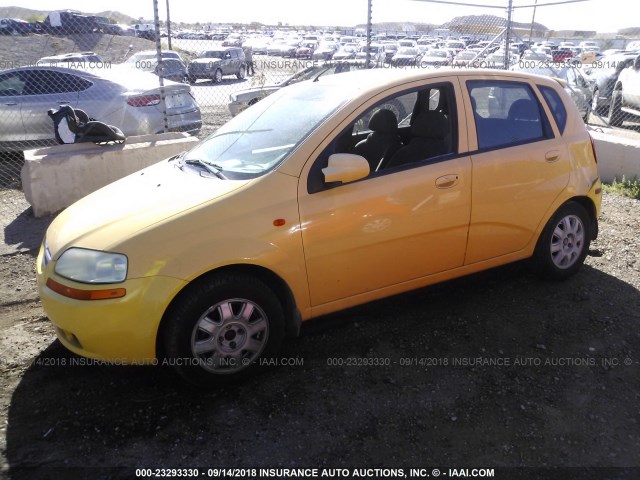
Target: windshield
(212,54)
(140,56)
(262,136)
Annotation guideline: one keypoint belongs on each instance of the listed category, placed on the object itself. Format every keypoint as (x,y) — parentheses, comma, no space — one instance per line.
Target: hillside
(488,24)
(20,51)
(39,15)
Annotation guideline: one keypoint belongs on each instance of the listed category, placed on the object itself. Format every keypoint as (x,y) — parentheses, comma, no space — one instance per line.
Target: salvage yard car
(625,99)
(241,99)
(129,100)
(297,208)
(214,64)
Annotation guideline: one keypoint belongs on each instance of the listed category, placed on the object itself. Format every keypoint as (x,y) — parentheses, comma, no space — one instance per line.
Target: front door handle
(447,181)
(552,156)
(11,104)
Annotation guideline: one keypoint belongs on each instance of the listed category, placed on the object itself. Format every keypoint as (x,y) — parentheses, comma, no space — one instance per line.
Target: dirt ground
(499,369)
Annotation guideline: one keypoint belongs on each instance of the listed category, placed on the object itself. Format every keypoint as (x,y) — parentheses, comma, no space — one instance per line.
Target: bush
(627,188)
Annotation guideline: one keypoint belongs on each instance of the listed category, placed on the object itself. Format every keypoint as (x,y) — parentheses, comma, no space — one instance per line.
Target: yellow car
(322,196)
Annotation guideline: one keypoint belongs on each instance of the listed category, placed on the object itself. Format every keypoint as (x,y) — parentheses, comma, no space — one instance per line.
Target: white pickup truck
(625,98)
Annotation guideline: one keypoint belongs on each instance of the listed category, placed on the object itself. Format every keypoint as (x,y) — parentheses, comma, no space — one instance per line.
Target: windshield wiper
(209,167)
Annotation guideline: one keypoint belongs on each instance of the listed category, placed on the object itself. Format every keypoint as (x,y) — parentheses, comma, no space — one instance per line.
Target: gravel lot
(565,390)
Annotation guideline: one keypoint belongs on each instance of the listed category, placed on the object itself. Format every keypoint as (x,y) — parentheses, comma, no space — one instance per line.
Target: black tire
(243,327)
(242,73)
(191,80)
(615,109)
(217,76)
(564,243)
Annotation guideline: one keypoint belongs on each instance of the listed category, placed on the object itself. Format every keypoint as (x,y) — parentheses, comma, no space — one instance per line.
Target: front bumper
(121,330)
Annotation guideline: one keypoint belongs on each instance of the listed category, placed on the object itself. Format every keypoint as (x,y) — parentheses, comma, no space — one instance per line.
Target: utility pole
(535,5)
(507,38)
(169,25)
(368,58)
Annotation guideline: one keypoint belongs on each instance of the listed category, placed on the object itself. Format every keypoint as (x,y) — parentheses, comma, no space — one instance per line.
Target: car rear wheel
(217,76)
(192,80)
(242,72)
(223,329)
(615,109)
(564,242)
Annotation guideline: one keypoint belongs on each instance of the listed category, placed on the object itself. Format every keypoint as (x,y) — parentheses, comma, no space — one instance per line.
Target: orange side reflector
(278,222)
(78,294)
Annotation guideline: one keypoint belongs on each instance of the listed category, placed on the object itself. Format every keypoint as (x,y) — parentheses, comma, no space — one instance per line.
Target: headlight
(92,266)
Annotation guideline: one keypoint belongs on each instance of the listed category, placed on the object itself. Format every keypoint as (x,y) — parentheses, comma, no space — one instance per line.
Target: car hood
(118,211)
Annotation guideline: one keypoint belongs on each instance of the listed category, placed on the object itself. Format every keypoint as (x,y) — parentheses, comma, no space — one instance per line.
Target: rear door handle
(552,156)
(447,181)
(11,104)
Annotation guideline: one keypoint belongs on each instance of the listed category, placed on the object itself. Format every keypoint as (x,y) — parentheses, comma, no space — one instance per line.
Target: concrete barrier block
(55,177)
(618,156)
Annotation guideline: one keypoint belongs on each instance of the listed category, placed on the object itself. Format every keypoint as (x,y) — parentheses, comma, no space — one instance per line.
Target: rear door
(11,87)
(44,90)
(520,165)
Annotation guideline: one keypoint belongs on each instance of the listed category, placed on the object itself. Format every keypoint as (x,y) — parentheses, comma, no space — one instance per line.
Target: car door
(391,227)
(11,87)
(520,166)
(230,62)
(45,90)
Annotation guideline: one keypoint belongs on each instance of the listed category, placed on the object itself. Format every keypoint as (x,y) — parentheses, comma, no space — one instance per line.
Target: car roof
(378,78)
(133,79)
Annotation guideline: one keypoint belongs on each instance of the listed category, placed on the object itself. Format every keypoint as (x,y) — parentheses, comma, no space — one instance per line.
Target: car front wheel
(217,76)
(564,242)
(223,329)
(241,73)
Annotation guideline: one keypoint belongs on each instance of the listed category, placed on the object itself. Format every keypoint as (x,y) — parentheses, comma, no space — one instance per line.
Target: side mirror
(345,168)
(636,64)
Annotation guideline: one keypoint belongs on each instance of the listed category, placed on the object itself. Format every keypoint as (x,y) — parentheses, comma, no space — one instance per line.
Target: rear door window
(506,113)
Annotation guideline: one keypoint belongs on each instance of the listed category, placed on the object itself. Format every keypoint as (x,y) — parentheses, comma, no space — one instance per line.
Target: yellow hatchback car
(322,196)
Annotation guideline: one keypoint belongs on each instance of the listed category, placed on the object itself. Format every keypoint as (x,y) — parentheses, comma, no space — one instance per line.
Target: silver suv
(214,64)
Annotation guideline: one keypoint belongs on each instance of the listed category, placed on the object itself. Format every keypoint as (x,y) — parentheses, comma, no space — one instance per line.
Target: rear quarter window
(555,105)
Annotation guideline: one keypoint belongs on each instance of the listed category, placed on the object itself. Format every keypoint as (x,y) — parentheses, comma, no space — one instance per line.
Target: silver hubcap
(594,101)
(567,241)
(230,336)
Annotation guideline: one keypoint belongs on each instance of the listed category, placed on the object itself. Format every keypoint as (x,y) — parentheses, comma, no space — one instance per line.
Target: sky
(598,15)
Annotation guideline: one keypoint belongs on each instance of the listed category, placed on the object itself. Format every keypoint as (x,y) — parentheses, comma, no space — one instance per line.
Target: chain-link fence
(154,77)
